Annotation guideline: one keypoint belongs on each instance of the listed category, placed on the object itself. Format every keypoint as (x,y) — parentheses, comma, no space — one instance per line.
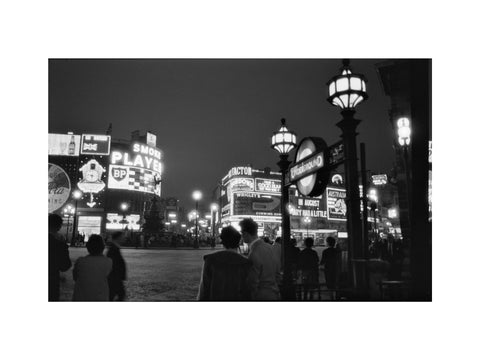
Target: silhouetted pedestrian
(264,274)
(308,266)
(224,273)
(277,251)
(58,256)
(91,273)
(331,262)
(119,270)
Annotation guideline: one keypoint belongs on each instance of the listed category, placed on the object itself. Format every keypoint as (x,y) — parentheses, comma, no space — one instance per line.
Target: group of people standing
(227,275)
(97,277)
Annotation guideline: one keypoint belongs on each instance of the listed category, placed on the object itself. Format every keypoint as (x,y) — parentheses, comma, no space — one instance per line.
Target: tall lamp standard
(307,220)
(213,209)
(77,194)
(68,212)
(373,197)
(404,132)
(346,91)
(285,141)
(124,207)
(197,195)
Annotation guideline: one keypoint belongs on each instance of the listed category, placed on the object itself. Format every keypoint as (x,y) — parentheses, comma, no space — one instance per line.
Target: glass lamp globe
(197,195)
(284,140)
(347,90)
(403,131)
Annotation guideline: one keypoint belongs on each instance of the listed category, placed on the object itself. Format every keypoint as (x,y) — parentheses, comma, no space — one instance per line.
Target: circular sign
(316,149)
(58,187)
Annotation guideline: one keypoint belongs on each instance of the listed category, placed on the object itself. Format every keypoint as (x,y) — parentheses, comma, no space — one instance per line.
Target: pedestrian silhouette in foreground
(277,251)
(58,256)
(119,270)
(264,275)
(224,273)
(91,273)
(331,262)
(308,267)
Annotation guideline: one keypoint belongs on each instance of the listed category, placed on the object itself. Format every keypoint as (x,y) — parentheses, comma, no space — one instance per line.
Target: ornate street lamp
(346,91)
(213,209)
(285,141)
(77,194)
(307,220)
(197,195)
(124,207)
(404,131)
(68,212)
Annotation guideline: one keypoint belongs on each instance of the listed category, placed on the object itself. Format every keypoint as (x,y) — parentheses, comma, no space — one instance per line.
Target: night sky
(211,115)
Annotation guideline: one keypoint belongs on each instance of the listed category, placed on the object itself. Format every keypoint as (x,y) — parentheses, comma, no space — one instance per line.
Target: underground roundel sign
(310,171)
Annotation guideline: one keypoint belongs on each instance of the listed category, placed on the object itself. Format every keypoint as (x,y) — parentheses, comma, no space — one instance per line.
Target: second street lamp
(307,220)
(284,141)
(197,195)
(214,209)
(77,194)
(346,91)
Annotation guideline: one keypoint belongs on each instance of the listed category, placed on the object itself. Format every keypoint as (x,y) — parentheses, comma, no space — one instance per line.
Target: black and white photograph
(240,179)
(236,180)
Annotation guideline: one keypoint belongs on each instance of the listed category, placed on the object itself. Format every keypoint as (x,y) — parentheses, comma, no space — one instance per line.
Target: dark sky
(211,115)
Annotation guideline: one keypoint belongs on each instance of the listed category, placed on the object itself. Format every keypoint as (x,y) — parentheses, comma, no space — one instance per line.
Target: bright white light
(392,213)
(167,223)
(208,216)
(172,215)
(183,225)
(77,194)
(404,131)
(124,206)
(214,207)
(174,221)
(372,195)
(197,195)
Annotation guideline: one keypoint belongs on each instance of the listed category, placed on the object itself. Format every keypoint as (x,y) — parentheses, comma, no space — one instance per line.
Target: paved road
(153,275)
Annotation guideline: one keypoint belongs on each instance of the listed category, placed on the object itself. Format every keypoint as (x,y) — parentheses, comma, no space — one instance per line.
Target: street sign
(309,172)
(307,166)
(379,179)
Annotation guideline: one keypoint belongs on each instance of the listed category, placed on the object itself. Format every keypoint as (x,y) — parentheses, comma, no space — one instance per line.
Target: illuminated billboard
(95,144)
(63,144)
(268,185)
(336,206)
(136,169)
(116,222)
(59,187)
(241,184)
(256,204)
(88,225)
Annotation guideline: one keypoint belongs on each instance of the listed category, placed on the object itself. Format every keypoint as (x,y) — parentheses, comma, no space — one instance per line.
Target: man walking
(265,273)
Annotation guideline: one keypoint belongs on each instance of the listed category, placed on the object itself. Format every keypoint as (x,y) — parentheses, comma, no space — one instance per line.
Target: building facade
(115,179)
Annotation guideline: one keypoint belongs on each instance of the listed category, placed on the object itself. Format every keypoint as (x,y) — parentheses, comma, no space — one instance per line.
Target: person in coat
(119,270)
(224,273)
(58,256)
(264,274)
(91,273)
(308,267)
(331,262)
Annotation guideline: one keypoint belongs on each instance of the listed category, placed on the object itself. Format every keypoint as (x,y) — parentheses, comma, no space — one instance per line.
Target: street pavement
(154,274)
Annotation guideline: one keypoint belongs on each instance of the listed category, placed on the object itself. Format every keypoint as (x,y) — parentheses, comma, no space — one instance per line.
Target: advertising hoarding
(59,187)
(151,139)
(268,185)
(115,222)
(63,144)
(336,206)
(133,179)
(88,225)
(379,179)
(95,144)
(136,169)
(92,180)
(242,184)
(256,204)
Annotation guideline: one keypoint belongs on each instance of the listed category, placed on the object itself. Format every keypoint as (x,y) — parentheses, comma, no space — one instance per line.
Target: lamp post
(213,209)
(284,141)
(68,212)
(124,207)
(346,91)
(404,132)
(197,195)
(307,220)
(77,194)
(373,197)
